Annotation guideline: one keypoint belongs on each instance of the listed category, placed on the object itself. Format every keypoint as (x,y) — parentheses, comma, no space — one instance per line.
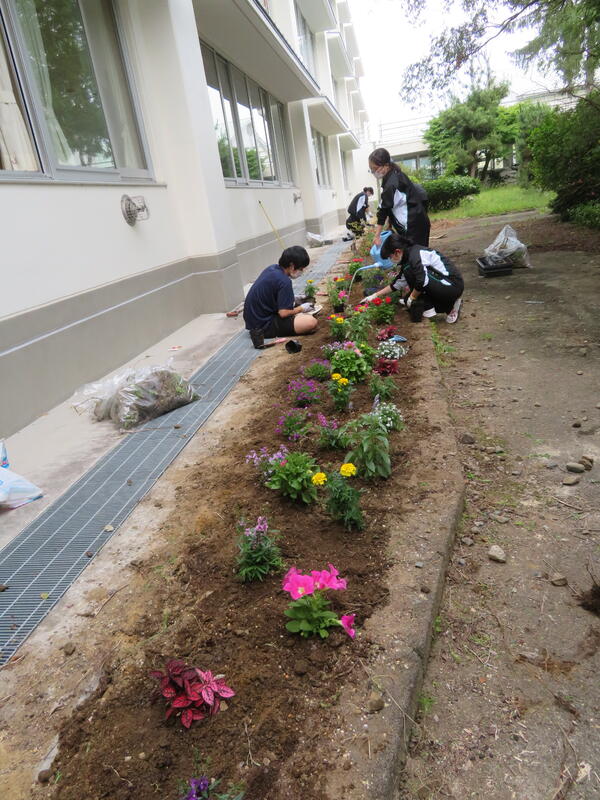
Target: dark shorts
(279,326)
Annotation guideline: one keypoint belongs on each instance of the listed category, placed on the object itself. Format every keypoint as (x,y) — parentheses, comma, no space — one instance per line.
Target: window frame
(320,147)
(50,169)
(267,101)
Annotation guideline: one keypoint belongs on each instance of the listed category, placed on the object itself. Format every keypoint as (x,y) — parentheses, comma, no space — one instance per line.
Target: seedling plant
(259,553)
(351,363)
(191,692)
(294,424)
(295,478)
(340,390)
(317,370)
(343,500)
(302,392)
(371,450)
(383,388)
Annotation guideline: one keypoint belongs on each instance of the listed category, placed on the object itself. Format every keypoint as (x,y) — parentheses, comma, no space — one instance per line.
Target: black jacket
(358,207)
(404,204)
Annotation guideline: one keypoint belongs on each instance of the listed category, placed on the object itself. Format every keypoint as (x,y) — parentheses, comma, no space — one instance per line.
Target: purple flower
(198,786)
(322,420)
(262,525)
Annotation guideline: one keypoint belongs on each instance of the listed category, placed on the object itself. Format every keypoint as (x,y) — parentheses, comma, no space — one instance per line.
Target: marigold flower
(336,376)
(343,382)
(348,470)
(310,280)
(340,320)
(319,478)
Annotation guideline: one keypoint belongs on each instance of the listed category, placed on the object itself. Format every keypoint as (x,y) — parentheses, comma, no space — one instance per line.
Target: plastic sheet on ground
(15,490)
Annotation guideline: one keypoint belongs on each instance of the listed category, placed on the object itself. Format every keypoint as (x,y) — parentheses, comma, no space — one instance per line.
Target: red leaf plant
(386,366)
(386,333)
(197,693)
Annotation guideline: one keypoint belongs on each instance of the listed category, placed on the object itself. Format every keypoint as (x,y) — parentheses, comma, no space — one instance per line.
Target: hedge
(447,193)
(586,214)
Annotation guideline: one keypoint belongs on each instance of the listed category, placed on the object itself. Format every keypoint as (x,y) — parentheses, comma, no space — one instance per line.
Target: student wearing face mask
(270,309)
(403,203)
(432,278)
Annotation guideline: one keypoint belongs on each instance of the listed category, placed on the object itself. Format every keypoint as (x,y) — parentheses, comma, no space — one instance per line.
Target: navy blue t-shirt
(269,293)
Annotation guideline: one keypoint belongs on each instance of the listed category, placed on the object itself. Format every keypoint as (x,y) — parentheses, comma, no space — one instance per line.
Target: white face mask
(378,173)
(295,273)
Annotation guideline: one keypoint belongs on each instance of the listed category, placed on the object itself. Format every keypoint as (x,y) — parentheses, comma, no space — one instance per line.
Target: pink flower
(334,581)
(347,621)
(298,585)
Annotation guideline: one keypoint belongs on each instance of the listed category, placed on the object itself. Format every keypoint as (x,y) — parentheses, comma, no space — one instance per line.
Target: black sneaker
(258,338)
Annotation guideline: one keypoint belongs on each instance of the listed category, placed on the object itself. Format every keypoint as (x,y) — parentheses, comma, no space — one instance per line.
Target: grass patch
(499,200)
(442,348)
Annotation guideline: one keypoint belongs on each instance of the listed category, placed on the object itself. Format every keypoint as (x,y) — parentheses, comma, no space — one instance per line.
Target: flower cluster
(323,422)
(389,414)
(303,391)
(259,553)
(265,461)
(391,349)
(257,533)
(386,366)
(310,611)
(329,349)
(339,379)
(205,789)
(298,585)
(342,295)
(293,424)
(317,369)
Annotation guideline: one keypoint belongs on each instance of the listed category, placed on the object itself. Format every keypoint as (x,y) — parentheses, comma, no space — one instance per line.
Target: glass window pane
(218,115)
(17,151)
(113,84)
(61,65)
(228,107)
(261,133)
(246,128)
(306,41)
(285,173)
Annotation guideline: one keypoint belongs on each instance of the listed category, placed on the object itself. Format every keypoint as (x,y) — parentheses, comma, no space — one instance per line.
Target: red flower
(377,301)
(388,300)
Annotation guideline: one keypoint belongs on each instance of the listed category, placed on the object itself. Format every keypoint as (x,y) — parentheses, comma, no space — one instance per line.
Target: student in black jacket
(358,211)
(430,276)
(403,203)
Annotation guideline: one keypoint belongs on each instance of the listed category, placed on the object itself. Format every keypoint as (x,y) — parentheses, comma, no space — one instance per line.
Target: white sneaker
(430,312)
(453,315)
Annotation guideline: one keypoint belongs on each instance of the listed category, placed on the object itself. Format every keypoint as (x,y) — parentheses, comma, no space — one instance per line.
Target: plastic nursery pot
(293,346)
(339,308)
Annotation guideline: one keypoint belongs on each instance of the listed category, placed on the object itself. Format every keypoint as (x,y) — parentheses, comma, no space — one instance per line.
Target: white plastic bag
(506,247)
(134,396)
(15,490)
(3,455)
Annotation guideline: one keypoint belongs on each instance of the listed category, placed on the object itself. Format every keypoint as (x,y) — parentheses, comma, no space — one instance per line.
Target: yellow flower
(319,478)
(348,470)
(310,281)
(336,376)
(340,320)
(343,381)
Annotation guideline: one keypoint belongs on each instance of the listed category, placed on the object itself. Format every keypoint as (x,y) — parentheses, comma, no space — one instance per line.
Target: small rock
(88,554)
(587,459)
(490,450)
(223,706)
(419,564)
(466,540)
(461,562)
(580,372)
(375,703)
(68,648)
(500,519)
(496,553)
(44,776)
(108,528)
(127,758)
(425,589)
(537,405)
(522,352)
(574,466)
(479,523)
(551,464)
(177,427)
(583,351)
(517,471)
(475,530)
(300,667)
(597,405)
(571,480)
(467,438)
(576,424)
(129,482)
(556,579)
(142,756)
(3,587)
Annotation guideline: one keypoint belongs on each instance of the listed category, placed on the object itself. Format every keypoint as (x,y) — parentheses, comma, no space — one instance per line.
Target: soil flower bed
(272,734)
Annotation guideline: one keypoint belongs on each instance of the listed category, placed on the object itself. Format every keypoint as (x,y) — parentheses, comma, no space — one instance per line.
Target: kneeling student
(269,307)
(430,276)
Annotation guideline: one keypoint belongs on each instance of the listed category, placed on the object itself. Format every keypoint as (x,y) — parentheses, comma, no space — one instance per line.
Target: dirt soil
(183,600)
(511,703)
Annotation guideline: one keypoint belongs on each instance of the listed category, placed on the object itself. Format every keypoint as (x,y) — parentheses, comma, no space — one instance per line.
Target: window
(322,158)
(17,149)
(345,169)
(249,125)
(76,109)
(306,41)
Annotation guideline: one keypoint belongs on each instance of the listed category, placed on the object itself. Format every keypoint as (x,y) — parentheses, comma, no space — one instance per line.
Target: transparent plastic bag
(135,396)
(3,455)
(507,248)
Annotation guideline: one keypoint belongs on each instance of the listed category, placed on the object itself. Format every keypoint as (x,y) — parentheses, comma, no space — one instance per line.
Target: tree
(565,151)
(528,117)
(567,40)
(474,130)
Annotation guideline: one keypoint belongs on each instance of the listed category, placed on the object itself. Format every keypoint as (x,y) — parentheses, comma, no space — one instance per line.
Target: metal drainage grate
(42,562)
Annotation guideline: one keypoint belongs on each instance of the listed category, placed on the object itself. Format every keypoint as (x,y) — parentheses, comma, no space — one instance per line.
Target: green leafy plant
(368,353)
(259,553)
(293,477)
(382,310)
(358,325)
(341,390)
(310,290)
(442,348)
(331,435)
(384,388)
(317,370)
(294,424)
(343,500)
(310,613)
(350,363)
(338,327)
(371,450)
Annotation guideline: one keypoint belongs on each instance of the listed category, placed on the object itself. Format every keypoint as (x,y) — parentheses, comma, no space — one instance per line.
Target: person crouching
(270,309)
(431,278)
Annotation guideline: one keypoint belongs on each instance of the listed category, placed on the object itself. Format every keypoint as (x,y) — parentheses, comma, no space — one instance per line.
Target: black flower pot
(339,308)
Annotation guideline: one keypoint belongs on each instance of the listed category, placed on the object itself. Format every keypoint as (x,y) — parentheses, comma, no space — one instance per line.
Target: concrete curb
(373,746)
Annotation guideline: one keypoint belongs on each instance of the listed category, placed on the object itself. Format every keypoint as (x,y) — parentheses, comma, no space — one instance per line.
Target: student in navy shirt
(270,308)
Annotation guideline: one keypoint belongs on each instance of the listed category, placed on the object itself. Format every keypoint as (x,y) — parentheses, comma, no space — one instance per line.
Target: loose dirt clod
(590,600)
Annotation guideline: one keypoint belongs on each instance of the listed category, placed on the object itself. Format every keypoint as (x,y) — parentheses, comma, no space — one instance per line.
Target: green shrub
(586,214)
(448,192)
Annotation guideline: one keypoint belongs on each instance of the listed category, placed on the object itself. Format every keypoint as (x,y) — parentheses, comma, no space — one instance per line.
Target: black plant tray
(495,270)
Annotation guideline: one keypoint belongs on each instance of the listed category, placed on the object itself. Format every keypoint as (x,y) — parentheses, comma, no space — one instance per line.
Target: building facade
(222,119)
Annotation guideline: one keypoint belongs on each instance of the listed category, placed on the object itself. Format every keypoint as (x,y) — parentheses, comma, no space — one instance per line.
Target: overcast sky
(389,42)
